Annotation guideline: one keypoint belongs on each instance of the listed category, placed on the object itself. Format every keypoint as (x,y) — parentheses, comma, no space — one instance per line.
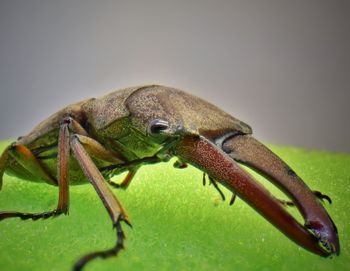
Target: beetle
(95,139)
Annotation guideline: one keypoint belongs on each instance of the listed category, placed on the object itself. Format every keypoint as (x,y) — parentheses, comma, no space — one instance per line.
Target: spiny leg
(105,253)
(111,203)
(62,169)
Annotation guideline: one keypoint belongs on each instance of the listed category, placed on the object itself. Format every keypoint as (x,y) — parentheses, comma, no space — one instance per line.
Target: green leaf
(177,223)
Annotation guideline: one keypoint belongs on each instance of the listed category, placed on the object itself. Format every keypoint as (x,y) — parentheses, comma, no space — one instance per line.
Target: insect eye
(157,126)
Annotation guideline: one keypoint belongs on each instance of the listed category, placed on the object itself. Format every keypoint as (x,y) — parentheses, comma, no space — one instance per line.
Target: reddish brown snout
(319,235)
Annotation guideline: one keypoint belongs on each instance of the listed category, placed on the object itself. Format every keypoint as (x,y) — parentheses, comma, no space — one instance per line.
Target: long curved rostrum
(204,155)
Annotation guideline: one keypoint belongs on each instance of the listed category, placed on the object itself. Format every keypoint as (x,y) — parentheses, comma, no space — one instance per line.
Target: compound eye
(157,126)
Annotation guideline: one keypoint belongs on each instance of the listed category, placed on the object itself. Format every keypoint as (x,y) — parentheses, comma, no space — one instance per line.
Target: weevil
(95,139)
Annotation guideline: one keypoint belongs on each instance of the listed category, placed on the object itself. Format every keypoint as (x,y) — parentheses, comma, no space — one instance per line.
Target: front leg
(111,203)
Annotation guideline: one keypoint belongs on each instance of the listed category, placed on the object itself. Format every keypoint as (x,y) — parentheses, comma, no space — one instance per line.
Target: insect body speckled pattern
(95,139)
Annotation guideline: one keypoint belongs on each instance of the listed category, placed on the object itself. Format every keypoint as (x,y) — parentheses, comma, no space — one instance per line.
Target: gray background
(281,66)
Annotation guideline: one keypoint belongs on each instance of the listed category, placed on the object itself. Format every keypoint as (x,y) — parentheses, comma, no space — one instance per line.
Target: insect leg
(25,158)
(213,182)
(95,149)
(111,203)
(63,198)
(63,169)
(127,180)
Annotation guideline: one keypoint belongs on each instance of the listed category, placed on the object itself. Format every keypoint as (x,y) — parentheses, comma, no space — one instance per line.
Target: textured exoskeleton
(141,125)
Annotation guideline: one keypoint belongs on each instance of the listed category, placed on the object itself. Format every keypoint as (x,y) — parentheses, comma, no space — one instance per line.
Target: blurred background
(281,66)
